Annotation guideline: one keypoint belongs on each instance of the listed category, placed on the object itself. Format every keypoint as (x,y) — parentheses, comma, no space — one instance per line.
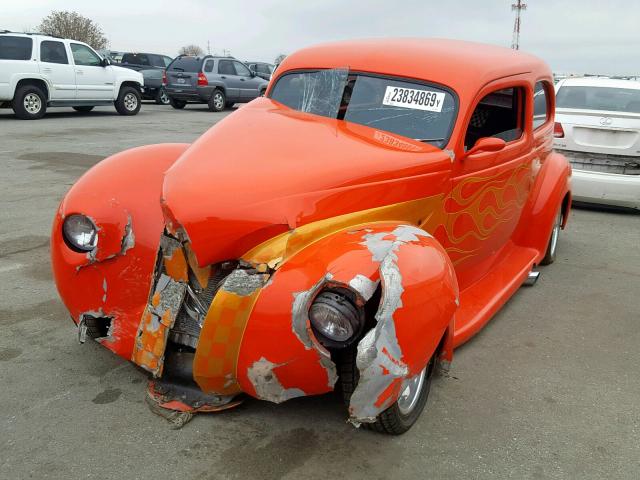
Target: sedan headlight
(335,320)
(80,233)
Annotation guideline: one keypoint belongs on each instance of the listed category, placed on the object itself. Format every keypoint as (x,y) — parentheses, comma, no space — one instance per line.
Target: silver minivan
(217,81)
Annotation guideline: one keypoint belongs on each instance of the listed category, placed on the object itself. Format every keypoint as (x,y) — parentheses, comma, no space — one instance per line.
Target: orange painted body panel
(124,188)
(292,203)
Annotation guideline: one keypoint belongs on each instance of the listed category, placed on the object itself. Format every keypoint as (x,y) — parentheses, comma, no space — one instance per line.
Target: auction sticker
(412,98)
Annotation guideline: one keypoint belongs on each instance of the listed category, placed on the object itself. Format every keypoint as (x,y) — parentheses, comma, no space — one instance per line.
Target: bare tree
(279,59)
(191,50)
(75,26)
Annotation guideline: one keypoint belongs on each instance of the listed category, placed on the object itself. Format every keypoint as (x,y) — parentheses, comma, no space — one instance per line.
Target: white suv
(37,71)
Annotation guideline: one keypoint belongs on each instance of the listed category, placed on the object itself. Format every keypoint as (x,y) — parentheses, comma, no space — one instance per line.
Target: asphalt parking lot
(549,389)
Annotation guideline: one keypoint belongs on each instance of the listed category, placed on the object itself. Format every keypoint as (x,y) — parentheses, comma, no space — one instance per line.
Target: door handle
(242,79)
(223,77)
(79,72)
(46,70)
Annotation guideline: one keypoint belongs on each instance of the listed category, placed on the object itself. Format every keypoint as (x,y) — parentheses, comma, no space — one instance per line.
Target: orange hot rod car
(350,229)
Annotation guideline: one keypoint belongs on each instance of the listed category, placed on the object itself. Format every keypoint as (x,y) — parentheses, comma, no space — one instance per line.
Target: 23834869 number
(413,98)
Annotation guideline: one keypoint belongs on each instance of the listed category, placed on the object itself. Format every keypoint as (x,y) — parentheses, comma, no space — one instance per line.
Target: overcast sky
(594,36)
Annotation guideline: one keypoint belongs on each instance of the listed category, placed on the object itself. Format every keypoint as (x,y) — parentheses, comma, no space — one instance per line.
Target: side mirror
(486,144)
(105,62)
(253,73)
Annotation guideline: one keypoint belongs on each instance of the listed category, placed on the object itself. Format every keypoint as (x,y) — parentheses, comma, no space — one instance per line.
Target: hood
(266,169)
(122,71)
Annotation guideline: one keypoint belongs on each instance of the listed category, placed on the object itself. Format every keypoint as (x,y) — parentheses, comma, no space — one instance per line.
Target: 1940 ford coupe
(348,230)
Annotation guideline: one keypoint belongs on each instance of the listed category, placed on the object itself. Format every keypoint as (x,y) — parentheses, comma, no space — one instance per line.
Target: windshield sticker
(413,98)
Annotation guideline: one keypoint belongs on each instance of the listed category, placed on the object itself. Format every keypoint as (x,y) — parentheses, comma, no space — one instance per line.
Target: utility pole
(518,7)
(208,47)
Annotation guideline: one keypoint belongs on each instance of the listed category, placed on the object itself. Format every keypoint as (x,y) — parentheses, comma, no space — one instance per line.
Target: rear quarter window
(186,64)
(15,48)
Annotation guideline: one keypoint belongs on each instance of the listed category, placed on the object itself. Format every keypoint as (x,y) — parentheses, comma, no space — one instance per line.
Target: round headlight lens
(335,319)
(80,233)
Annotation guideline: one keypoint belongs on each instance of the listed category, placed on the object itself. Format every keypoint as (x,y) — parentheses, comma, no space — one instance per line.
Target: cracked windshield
(415,110)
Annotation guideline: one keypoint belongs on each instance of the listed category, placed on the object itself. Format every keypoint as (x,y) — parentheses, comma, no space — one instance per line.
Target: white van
(39,71)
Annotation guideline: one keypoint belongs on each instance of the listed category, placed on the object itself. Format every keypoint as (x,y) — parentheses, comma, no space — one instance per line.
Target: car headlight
(335,319)
(80,233)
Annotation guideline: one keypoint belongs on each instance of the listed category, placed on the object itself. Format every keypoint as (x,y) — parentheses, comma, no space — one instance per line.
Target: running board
(532,278)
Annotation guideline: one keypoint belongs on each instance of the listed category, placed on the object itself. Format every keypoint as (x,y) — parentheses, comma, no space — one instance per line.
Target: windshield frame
(416,81)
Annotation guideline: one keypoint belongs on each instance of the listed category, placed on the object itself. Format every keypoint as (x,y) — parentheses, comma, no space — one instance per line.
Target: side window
(262,68)
(540,102)
(15,48)
(53,52)
(156,61)
(500,114)
(83,55)
(208,66)
(241,69)
(225,67)
(167,61)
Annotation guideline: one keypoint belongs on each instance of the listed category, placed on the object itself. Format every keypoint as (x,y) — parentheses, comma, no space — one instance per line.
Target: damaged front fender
(111,284)
(419,294)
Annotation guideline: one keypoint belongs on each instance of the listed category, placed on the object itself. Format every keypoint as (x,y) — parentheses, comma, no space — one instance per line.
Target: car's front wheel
(29,103)
(83,109)
(161,97)
(129,101)
(552,247)
(218,101)
(400,416)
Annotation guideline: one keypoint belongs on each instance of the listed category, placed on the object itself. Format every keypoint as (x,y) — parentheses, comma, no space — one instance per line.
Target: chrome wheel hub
(410,392)
(163,97)
(218,101)
(130,101)
(32,103)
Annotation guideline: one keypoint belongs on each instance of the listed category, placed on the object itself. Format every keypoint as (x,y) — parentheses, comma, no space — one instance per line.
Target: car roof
(599,82)
(31,35)
(463,66)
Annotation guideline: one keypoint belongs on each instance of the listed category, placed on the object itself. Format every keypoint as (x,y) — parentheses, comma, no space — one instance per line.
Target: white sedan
(598,130)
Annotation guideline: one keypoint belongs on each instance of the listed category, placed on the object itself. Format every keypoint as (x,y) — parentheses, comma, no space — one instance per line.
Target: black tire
(392,421)
(552,246)
(177,104)
(230,104)
(29,103)
(83,109)
(129,101)
(161,97)
(217,101)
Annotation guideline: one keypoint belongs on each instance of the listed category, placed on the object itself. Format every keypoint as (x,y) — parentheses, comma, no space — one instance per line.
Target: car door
(227,74)
(57,69)
(93,81)
(489,189)
(249,84)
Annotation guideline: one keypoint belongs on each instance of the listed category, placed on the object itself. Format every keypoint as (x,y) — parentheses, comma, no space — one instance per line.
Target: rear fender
(280,358)
(551,190)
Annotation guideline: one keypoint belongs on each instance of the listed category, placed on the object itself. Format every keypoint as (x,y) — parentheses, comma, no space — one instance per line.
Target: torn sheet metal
(244,282)
(106,250)
(174,259)
(267,386)
(364,286)
(301,327)
(157,319)
(379,358)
